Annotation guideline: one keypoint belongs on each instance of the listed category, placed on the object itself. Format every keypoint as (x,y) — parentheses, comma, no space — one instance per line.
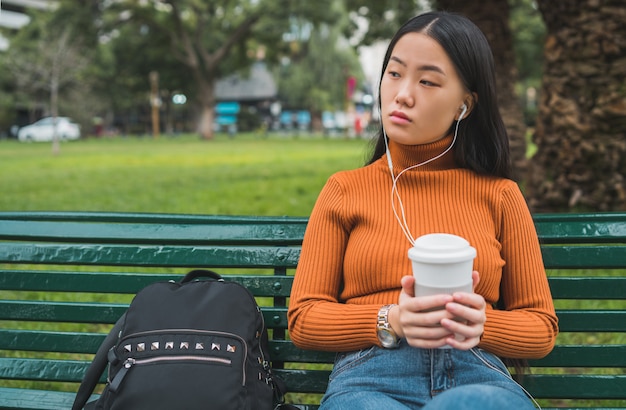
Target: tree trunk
(492,17)
(206,99)
(580,163)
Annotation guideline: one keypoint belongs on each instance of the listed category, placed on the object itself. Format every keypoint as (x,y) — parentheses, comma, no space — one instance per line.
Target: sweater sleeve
(316,318)
(525,326)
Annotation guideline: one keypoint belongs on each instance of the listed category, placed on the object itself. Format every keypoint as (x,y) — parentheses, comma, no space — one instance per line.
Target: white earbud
(464,110)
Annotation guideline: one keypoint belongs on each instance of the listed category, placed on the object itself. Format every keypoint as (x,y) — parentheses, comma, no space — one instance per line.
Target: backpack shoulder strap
(97,366)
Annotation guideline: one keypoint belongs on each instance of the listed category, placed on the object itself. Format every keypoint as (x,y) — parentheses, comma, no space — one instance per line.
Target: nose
(404,96)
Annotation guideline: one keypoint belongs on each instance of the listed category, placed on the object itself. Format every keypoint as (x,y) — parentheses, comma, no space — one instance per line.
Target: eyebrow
(426,67)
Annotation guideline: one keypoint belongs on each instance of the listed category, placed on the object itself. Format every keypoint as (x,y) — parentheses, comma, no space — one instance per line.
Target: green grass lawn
(245,175)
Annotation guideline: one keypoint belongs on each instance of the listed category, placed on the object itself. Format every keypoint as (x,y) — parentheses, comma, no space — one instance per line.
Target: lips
(399,117)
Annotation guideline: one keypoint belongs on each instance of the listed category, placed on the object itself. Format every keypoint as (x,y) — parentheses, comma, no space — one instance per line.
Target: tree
(316,79)
(44,62)
(211,38)
(580,162)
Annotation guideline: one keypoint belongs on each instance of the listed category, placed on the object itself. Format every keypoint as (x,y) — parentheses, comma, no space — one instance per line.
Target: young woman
(440,164)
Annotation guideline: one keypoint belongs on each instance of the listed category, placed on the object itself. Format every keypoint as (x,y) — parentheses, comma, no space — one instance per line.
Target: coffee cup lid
(441,248)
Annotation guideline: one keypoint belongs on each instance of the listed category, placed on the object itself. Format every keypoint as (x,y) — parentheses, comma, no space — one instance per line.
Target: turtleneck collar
(405,156)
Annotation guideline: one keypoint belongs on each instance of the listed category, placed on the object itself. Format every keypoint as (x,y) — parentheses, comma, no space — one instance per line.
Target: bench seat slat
(125,283)
(150,255)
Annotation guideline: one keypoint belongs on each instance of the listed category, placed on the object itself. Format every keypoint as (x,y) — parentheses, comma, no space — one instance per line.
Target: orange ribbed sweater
(354,253)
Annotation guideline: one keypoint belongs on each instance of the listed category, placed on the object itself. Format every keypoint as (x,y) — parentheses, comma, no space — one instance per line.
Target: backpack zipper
(131,362)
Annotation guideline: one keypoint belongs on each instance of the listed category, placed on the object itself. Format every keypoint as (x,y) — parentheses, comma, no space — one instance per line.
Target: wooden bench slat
(592,320)
(102,313)
(304,381)
(125,283)
(572,257)
(50,341)
(216,233)
(572,287)
(140,217)
(14,398)
(285,351)
(85,342)
(43,369)
(581,228)
(275,317)
(47,311)
(584,356)
(589,257)
(579,386)
(150,255)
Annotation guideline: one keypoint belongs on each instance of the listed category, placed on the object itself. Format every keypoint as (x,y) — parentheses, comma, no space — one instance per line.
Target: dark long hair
(482,144)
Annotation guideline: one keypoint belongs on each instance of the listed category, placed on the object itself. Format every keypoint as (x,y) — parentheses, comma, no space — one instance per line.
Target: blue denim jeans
(410,378)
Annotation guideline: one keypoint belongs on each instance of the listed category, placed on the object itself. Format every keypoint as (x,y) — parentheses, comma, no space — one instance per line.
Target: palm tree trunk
(580,163)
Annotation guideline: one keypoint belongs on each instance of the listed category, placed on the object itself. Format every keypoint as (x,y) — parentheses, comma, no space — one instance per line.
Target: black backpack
(193,344)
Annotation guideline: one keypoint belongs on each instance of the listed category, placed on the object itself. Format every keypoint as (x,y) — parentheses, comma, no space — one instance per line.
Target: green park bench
(66,277)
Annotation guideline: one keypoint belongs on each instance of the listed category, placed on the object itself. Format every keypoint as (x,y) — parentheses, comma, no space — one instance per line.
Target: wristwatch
(386,335)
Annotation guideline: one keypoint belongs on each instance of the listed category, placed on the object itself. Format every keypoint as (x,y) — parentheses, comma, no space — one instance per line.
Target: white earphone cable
(394,187)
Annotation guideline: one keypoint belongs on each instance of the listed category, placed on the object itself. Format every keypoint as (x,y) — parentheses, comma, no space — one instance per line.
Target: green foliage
(528,38)
(317,80)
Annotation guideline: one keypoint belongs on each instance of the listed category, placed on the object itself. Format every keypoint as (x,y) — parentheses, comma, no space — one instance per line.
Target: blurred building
(12,15)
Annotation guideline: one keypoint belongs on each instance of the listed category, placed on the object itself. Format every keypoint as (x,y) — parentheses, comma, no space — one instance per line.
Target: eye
(394,74)
(428,83)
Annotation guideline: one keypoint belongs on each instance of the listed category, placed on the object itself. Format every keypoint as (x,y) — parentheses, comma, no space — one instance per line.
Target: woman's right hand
(431,321)
(418,319)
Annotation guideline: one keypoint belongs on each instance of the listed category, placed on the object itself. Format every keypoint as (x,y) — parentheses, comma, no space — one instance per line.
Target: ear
(470,102)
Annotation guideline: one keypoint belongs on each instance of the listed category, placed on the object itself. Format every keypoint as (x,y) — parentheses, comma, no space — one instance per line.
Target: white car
(43,130)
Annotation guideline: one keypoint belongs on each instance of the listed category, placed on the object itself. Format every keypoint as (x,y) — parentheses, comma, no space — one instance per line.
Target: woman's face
(421,92)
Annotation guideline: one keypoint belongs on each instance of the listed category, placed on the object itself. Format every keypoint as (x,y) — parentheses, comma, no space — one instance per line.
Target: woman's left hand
(469,308)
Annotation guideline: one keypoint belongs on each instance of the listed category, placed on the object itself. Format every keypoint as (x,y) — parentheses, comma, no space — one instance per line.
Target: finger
(464,313)
(472,300)
(465,344)
(475,279)
(408,285)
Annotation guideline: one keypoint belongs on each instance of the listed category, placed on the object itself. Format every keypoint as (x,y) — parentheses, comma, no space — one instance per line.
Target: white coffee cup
(442,263)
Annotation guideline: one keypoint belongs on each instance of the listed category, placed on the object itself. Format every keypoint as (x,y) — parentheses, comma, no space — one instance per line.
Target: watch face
(386,338)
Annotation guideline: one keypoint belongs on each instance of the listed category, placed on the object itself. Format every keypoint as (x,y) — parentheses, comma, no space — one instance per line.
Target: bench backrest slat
(125,282)
(150,255)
